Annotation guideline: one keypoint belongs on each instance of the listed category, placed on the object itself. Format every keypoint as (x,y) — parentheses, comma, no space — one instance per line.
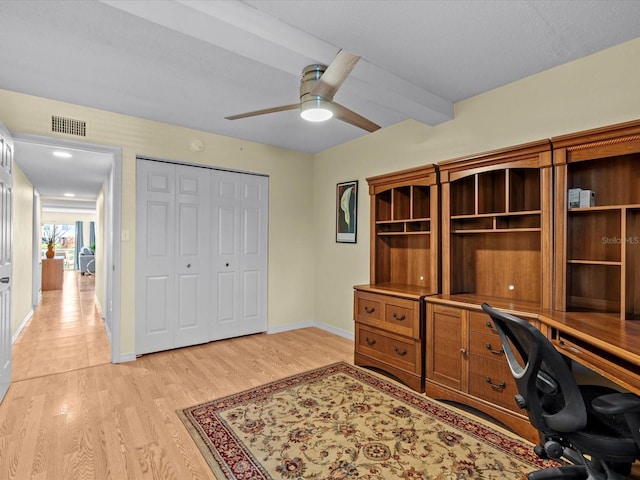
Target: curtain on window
(92,234)
(79,243)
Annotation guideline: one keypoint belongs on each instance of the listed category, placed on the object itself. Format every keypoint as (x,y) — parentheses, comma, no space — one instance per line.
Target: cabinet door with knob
(466,363)
(447,351)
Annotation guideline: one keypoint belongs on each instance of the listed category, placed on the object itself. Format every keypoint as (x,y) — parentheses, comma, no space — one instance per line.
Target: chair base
(573,472)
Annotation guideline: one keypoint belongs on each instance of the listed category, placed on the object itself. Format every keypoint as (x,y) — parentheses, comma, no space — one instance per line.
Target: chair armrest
(614,403)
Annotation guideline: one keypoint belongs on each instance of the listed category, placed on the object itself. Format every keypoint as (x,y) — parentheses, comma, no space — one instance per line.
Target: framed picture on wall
(346,211)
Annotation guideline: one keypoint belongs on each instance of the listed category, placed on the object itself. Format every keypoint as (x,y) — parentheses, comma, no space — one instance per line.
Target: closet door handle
(4,280)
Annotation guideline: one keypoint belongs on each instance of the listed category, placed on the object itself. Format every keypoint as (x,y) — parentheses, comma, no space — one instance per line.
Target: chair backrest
(548,389)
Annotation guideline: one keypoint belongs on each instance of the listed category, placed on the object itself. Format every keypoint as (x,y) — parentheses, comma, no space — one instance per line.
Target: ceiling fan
(318,86)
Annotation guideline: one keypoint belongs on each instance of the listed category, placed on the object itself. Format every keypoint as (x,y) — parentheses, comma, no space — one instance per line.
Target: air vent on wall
(68,126)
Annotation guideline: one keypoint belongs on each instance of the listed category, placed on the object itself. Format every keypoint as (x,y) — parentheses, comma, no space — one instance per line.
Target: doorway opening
(107,221)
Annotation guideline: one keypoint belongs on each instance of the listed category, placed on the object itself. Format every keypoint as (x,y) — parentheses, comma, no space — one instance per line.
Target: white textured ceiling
(191,62)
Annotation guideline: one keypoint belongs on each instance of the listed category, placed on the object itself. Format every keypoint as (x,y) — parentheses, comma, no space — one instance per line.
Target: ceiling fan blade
(349,116)
(264,112)
(335,74)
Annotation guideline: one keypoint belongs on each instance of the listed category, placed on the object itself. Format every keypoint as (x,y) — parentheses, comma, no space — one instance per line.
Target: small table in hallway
(52,273)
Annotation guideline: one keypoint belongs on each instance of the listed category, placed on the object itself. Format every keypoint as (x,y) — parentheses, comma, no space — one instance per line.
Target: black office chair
(595,428)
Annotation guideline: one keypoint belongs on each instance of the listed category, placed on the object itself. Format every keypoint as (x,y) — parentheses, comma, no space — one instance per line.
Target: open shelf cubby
(404,237)
(496,219)
(598,261)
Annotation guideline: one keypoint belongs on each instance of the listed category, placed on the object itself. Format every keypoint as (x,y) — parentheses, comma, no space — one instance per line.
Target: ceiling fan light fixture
(316,110)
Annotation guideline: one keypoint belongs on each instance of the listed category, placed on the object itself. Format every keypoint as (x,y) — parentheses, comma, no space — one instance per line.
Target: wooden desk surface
(604,331)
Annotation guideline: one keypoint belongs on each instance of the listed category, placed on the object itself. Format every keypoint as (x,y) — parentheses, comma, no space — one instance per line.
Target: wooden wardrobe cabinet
(389,311)
(496,248)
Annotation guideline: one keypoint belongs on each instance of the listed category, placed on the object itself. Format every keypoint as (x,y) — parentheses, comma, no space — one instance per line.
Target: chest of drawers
(388,331)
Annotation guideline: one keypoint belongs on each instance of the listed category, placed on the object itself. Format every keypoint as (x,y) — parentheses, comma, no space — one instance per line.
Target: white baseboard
(21,326)
(98,306)
(312,323)
(124,357)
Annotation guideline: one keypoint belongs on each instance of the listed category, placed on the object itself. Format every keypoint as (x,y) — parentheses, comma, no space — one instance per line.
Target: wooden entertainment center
(507,236)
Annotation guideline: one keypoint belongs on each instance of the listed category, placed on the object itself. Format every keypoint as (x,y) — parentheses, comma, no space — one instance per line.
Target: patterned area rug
(344,422)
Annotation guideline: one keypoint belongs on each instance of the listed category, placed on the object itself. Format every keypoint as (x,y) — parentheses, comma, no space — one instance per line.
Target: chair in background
(574,422)
(86,261)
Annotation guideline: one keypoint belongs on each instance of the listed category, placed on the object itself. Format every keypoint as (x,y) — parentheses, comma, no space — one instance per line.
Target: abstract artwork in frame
(346,211)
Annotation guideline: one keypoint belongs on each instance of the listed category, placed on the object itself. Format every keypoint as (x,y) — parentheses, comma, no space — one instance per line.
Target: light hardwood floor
(96,420)
(65,333)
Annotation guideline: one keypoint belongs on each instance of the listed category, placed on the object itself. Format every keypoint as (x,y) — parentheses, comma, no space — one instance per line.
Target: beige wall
(598,90)
(290,176)
(22,275)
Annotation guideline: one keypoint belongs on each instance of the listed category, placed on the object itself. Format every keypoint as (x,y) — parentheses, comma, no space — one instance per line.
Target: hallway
(65,333)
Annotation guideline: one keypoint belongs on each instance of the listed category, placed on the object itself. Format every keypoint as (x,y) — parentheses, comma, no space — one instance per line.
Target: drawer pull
(402,353)
(369,310)
(398,317)
(495,352)
(565,346)
(500,386)
(370,341)
(491,327)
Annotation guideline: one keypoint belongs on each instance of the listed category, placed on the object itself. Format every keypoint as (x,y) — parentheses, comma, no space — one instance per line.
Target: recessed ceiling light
(61,154)
(69,194)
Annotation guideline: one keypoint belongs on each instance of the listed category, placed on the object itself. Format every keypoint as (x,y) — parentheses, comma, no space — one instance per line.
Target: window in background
(64,241)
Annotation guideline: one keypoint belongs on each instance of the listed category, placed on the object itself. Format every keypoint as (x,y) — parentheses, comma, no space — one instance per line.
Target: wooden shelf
(390,234)
(496,215)
(497,224)
(604,208)
(593,262)
(599,253)
(498,230)
(404,228)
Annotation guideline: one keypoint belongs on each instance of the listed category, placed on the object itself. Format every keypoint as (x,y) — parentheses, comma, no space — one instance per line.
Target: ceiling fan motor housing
(310,76)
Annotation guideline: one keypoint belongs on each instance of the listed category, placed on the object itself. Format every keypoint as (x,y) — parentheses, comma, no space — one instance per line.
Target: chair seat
(609,435)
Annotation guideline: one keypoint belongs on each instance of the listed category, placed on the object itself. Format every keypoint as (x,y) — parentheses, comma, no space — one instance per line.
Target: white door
(6,209)
(192,256)
(172,256)
(239,235)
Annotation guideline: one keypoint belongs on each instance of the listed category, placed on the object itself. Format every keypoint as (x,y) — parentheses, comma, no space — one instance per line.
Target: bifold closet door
(173,256)
(239,253)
